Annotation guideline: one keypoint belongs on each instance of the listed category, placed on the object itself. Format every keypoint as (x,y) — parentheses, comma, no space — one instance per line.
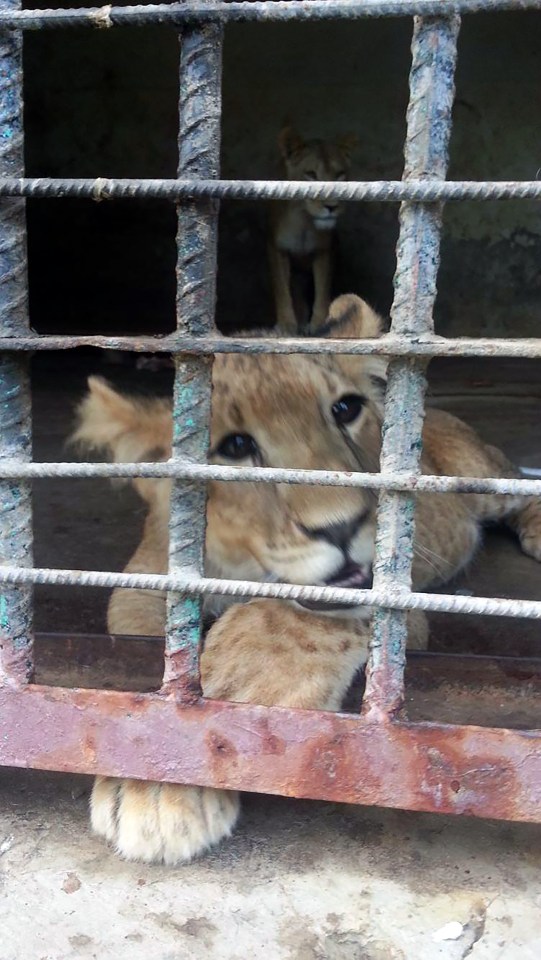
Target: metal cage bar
(199,155)
(13,469)
(15,416)
(429,122)
(386,346)
(223,11)
(383,191)
(394,597)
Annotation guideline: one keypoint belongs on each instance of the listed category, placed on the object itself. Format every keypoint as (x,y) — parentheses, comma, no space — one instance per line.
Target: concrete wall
(105,104)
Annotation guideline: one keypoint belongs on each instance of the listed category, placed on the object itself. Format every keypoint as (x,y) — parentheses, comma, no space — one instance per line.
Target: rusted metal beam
(429,124)
(425,766)
(199,156)
(15,417)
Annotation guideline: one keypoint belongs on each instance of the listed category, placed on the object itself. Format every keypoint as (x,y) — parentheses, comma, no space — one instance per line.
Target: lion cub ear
(347,144)
(350,318)
(289,142)
(127,428)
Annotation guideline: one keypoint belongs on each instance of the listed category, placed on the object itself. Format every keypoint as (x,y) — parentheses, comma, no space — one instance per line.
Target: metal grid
(490,772)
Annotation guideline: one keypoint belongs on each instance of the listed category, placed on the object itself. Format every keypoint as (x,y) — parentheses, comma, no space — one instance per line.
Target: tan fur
(274,652)
(303,229)
(264,652)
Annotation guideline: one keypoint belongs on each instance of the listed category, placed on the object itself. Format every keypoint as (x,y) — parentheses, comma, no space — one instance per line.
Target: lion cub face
(314,160)
(315,413)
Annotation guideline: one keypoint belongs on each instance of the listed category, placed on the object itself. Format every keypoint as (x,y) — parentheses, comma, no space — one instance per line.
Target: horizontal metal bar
(423,766)
(177,14)
(181,470)
(390,191)
(221,11)
(391,346)
(391,598)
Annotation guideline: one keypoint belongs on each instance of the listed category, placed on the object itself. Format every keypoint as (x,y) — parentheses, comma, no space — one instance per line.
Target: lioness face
(314,160)
(294,412)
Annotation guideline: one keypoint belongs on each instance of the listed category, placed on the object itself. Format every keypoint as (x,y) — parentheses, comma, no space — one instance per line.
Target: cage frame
(377,757)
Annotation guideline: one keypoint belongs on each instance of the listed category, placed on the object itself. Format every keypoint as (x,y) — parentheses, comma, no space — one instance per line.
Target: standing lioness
(282,411)
(302,231)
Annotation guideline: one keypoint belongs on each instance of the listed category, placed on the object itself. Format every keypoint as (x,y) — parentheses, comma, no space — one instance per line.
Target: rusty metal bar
(397,346)
(223,11)
(199,156)
(382,191)
(393,595)
(201,473)
(424,766)
(425,155)
(15,416)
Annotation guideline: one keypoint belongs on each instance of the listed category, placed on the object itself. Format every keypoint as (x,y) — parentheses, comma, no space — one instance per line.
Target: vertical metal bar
(418,253)
(15,416)
(199,156)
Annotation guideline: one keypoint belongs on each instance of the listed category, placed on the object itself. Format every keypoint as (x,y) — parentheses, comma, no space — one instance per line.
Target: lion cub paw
(161,822)
(528,526)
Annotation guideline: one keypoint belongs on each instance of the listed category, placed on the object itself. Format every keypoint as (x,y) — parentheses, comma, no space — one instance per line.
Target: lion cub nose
(338,534)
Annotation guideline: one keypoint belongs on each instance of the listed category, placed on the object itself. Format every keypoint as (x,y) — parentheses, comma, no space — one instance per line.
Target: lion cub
(301,231)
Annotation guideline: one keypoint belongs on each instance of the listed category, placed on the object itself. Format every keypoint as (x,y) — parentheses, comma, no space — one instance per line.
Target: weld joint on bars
(219,11)
(179,469)
(386,597)
(390,191)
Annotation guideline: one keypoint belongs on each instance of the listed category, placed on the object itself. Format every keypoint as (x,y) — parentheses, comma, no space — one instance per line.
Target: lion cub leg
(522,514)
(527,524)
(265,652)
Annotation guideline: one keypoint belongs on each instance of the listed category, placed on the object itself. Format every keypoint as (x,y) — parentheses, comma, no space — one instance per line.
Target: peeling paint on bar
(417,255)
(199,156)
(15,417)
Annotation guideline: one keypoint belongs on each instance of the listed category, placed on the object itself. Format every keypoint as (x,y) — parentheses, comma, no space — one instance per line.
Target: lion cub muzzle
(351,574)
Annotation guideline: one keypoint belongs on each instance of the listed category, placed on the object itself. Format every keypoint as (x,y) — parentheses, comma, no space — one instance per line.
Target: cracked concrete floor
(298,881)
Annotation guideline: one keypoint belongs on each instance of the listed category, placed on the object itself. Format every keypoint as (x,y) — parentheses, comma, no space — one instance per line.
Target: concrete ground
(299,880)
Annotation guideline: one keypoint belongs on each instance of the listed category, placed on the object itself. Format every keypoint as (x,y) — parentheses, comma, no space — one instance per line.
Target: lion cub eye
(348,408)
(237,446)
